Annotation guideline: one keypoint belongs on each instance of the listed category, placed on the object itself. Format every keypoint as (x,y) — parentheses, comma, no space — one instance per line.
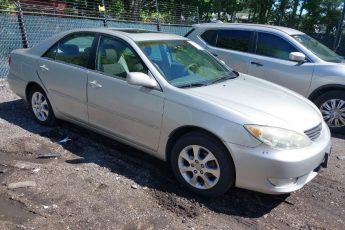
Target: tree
(132,7)
(7,5)
(313,16)
(331,15)
(292,17)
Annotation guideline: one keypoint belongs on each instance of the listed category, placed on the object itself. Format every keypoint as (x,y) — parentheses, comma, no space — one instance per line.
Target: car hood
(261,102)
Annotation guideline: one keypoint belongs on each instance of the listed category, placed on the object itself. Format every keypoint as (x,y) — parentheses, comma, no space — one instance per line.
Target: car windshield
(184,63)
(318,49)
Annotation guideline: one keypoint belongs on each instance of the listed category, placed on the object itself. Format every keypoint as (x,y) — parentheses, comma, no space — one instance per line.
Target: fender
(323,89)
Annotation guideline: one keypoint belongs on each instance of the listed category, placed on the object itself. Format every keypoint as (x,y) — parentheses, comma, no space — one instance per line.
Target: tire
(332,105)
(40,107)
(219,169)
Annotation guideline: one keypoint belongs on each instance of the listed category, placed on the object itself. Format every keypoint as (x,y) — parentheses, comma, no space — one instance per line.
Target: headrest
(111,54)
(108,56)
(69,49)
(147,50)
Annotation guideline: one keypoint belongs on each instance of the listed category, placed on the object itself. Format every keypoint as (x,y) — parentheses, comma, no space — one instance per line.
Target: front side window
(234,40)
(272,46)
(74,49)
(115,58)
(185,64)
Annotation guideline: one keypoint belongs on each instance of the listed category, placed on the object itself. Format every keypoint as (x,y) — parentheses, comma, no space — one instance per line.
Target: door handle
(256,63)
(44,67)
(214,54)
(95,84)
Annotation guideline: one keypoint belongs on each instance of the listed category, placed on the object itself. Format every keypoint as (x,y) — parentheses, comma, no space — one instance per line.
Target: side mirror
(141,79)
(297,56)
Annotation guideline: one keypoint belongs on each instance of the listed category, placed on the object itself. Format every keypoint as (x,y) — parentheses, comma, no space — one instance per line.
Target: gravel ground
(98,183)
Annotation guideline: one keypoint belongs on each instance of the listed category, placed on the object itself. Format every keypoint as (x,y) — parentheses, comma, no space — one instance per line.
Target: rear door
(271,62)
(230,45)
(130,112)
(63,71)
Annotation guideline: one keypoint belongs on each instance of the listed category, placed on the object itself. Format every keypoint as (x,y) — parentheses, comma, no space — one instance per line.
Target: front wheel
(202,164)
(332,107)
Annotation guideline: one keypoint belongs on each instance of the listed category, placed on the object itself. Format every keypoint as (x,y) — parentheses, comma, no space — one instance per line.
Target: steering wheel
(190,66)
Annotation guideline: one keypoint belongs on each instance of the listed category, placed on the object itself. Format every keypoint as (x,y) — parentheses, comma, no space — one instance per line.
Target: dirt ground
(98,183)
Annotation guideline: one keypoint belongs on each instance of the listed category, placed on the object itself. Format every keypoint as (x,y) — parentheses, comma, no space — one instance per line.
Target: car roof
(135,34)
(249,26)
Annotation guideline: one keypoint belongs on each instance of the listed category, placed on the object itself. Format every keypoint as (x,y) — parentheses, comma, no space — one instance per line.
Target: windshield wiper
(223,78)
(197,84)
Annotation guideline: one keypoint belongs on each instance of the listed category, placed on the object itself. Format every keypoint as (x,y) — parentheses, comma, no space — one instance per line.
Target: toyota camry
(167,96)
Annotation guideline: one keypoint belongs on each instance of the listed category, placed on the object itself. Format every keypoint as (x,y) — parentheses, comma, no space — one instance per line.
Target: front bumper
(255,166)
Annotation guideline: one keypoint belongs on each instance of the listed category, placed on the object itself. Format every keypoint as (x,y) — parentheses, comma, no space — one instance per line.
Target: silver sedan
(169,97)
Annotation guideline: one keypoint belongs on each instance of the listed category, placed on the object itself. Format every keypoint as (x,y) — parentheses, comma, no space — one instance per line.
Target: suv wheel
(332,107)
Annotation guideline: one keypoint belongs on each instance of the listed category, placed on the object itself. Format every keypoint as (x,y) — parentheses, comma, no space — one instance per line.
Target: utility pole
(197,13)
(340,28)
(21,24)
(101,9)
(158,20)
(218,9)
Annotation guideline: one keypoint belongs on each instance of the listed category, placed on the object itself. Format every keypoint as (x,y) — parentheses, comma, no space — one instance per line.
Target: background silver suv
(284,56)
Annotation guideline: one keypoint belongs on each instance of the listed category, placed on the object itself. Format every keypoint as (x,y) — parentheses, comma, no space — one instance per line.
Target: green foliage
(7,5)
(309,16)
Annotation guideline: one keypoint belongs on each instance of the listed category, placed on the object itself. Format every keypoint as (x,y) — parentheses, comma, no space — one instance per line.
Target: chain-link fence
(25,23)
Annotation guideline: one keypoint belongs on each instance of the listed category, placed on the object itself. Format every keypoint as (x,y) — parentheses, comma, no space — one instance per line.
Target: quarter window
(115,58)
(273,46)
(234,40)
(51,52)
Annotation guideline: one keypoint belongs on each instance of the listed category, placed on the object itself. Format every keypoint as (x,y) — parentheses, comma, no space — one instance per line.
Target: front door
(271,62)
(130,112)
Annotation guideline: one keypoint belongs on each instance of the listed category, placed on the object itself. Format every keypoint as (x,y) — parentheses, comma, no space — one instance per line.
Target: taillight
(9,60)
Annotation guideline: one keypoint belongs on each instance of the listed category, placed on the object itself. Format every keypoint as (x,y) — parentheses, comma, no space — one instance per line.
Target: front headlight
(277,137)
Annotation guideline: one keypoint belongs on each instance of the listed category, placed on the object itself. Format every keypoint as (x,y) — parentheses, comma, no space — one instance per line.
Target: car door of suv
(63,71)
(130,112)
(271,62)
(229,45)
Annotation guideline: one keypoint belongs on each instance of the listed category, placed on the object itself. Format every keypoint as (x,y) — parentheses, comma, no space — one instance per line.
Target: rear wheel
(202,164)
(332,107)
(40,106)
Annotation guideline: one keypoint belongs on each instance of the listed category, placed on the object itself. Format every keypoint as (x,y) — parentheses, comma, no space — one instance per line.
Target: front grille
(314,133)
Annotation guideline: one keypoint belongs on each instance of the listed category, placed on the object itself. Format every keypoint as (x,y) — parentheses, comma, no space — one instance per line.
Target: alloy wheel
(333,112)
(199,167)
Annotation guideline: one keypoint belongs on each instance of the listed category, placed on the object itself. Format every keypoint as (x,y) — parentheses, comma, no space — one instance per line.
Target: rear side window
(234,40)
(74,49)
(272,46)
(209,37)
